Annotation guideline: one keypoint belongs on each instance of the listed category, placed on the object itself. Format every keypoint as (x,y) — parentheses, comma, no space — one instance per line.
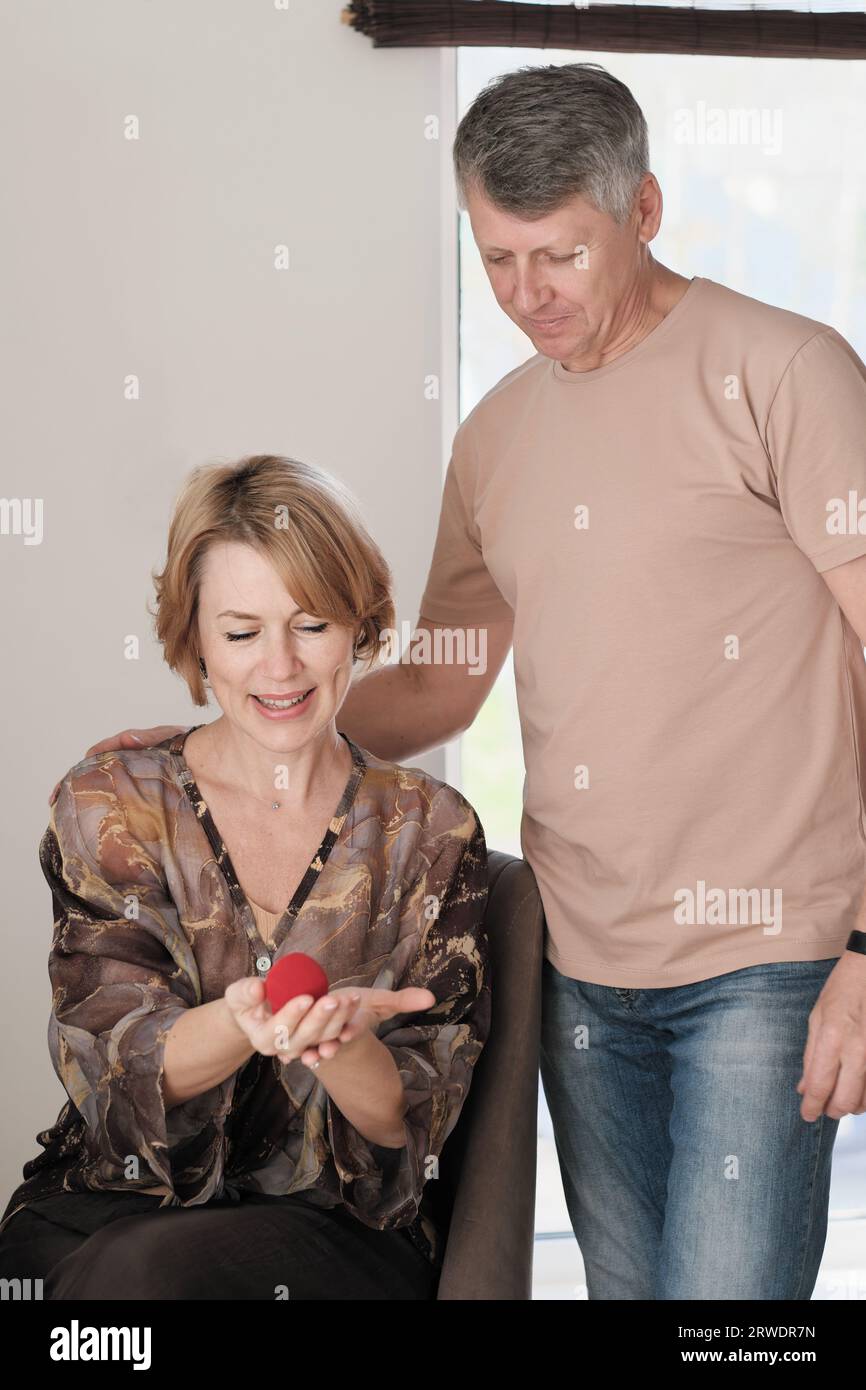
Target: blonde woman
(253,1154)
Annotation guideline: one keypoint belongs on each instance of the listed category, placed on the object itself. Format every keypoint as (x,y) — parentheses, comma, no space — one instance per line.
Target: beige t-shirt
(692,700)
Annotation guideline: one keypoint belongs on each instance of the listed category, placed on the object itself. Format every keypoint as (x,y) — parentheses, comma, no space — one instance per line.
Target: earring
(202,667)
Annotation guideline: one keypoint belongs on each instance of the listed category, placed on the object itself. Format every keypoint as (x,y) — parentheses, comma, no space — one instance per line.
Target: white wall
(258,126)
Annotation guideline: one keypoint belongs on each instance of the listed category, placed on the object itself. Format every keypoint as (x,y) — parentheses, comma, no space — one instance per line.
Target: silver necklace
(275,805)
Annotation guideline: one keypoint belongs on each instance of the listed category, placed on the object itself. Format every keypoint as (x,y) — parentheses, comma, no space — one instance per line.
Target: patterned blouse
(150,920)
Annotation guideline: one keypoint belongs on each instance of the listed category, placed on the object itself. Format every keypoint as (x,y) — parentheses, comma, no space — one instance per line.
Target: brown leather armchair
(484,1196)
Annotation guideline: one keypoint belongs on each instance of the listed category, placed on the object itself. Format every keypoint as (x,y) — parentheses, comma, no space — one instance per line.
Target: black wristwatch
(857,942)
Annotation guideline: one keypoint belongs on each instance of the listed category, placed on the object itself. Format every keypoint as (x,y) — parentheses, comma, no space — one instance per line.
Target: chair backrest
(484,1197)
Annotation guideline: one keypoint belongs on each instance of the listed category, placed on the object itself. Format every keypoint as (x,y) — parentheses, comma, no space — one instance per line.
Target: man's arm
(847,584)
(401,710)
(834,1070)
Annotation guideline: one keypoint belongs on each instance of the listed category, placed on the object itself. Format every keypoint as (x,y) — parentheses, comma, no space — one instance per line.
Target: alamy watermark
(760,126)
(22,516)
(444,646)
(703,906)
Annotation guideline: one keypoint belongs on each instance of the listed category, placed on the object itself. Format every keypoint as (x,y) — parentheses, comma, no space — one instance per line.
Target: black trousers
(118,1245)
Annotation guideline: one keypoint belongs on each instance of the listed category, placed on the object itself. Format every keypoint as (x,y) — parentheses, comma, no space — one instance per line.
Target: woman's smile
(274,707)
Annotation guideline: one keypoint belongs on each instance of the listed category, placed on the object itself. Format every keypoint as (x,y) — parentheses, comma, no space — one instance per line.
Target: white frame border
(449,304)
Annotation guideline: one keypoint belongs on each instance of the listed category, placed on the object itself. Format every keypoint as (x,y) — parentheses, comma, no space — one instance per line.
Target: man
(660,510)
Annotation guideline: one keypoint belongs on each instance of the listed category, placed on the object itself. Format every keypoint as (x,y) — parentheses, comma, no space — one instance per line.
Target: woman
(253,1154)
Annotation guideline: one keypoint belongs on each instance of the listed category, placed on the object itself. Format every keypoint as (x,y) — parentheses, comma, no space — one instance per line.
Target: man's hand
(834,1063)
(129,738)
(136,738)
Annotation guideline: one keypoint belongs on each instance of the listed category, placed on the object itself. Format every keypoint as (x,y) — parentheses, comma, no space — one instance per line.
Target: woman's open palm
(315,1032)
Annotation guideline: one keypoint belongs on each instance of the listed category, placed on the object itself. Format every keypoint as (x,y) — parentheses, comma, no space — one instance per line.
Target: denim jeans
(688,1170)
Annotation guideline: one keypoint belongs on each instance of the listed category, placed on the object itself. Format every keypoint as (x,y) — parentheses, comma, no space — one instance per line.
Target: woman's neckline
(224,860)
(561,373)
(259,907)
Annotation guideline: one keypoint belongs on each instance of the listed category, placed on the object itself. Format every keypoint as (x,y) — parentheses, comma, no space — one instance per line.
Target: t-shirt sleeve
(460,589)
(444,949)
(122,972)
(816,441)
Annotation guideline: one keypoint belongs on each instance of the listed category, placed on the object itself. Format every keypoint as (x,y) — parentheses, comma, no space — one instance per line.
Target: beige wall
(155,257)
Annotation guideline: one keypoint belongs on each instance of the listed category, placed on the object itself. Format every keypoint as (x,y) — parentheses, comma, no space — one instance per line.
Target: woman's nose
(282,659)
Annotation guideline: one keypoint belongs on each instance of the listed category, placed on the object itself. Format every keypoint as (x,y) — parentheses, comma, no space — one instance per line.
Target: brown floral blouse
(149,920)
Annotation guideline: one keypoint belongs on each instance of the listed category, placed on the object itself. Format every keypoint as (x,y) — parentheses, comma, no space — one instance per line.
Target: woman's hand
(314,1031)
(374,1006)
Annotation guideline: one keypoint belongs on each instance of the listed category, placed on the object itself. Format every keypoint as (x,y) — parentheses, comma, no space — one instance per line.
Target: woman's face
(257,644)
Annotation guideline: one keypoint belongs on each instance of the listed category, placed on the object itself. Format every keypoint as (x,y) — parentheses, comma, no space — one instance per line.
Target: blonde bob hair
(301,519)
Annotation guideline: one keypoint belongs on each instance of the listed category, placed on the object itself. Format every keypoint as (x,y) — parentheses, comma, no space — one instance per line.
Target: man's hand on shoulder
(136,738)
(129,738)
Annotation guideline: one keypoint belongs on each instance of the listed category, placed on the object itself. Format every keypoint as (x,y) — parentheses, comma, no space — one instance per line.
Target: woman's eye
(243,636)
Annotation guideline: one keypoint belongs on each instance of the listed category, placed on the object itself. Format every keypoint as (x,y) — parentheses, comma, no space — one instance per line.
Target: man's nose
(529,293)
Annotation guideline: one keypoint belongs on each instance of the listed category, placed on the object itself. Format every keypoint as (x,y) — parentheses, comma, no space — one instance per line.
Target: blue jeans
(688,1170)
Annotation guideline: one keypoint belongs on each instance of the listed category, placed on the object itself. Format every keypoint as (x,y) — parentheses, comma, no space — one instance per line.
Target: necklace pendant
(275,806)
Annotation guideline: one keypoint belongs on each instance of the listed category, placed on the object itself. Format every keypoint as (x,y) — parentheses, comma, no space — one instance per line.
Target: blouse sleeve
(442,947)
(122,972)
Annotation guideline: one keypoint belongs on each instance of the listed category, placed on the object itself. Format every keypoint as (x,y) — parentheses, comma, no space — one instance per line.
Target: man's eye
(497,260)
(238,636)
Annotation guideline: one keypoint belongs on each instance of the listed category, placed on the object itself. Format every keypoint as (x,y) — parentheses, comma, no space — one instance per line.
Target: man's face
(563,278)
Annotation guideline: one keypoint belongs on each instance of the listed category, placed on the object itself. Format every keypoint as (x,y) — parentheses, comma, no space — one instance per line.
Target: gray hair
(535,137)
